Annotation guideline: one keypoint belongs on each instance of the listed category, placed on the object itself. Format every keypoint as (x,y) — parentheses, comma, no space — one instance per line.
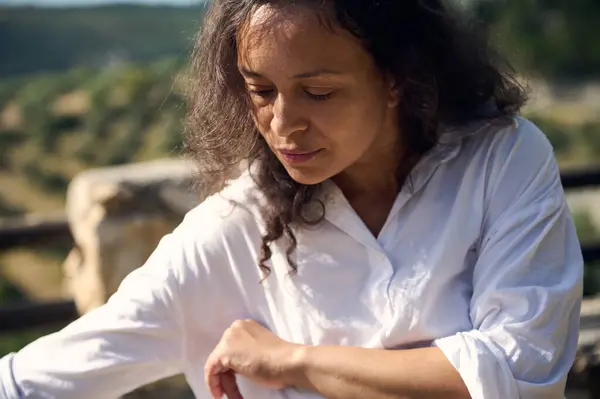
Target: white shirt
(480,258)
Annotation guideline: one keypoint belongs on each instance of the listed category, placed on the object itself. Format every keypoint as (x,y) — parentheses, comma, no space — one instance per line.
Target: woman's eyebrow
(310,74)
(249,73)
(317,72)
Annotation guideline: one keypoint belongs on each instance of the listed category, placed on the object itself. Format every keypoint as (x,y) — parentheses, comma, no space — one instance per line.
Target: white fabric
(479,258)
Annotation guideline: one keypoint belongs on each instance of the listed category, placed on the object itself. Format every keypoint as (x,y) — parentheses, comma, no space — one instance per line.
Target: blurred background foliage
(94,86)
(557,39)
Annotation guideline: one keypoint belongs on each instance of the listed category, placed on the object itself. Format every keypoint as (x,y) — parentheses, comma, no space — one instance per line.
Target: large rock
(117,216)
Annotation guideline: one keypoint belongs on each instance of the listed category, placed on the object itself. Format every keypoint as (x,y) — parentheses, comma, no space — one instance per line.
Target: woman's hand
(248,349)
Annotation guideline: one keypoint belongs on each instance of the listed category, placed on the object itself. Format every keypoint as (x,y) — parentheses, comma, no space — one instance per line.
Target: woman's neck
(372,196)
(366,182)
(375,173)
(371,188)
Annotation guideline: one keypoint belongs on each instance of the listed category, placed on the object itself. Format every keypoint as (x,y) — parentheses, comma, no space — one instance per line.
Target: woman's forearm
(338,372)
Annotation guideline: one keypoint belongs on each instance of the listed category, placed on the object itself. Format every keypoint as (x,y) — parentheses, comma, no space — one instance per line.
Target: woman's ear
(394,91)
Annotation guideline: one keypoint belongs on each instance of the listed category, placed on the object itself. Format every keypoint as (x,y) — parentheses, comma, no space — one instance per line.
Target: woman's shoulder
(504,158)
(233,209)
(513,164)
(221,236)
(505,138)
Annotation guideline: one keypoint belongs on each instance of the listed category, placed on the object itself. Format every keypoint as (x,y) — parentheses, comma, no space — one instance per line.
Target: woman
(399,232)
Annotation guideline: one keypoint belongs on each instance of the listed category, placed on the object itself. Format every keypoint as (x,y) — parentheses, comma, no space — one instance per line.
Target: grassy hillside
(48,39)
(53,126)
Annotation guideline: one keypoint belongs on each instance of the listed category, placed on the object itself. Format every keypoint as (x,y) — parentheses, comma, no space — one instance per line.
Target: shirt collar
(450,141)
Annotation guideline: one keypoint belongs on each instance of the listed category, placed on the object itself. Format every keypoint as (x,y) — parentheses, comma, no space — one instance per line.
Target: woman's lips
(296,156)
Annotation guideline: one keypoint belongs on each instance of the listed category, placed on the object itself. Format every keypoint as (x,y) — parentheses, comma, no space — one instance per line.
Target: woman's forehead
(285,21)
(277,35)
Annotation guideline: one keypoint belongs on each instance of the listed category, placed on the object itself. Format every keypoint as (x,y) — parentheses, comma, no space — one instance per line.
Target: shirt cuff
(8,386)
(481,365)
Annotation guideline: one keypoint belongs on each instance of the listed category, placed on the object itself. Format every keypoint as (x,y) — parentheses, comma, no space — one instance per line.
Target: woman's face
(317,97)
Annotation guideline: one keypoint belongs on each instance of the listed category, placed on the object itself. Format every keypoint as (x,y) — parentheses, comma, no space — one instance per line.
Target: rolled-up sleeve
(527,281)
(134,339)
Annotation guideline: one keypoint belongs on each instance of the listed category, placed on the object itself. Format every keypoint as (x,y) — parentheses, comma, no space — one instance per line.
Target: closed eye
(264,93)
(320,97)
(261,93)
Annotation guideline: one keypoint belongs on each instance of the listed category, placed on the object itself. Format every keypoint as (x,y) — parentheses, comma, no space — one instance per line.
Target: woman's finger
(213,382)
(229,385)
(211,377)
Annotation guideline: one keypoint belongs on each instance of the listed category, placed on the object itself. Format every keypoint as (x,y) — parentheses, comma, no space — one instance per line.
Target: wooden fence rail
(581,178)
(26,316)
(26,232)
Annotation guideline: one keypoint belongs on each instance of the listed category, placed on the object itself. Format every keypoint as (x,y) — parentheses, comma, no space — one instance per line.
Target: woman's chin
(307,177)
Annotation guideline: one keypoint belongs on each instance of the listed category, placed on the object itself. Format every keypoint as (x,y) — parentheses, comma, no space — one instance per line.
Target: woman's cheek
(262,119)
(332,119)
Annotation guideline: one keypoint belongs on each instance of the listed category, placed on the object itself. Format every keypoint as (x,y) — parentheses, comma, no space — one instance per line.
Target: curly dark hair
(448,71)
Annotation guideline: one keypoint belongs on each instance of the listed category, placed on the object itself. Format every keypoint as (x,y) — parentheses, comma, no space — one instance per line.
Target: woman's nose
(287,118)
